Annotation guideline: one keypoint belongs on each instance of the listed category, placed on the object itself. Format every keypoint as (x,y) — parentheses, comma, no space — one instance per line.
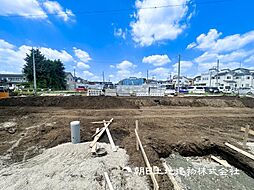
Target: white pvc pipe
(75,132)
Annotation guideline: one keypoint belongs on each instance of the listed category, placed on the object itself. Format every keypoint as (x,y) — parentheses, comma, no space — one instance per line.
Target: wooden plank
(110,186)
(222,162)
(251,132)
(98,122)
(246,134)
(95,145)
(96,138)
(137,145)
(113,146)
(171,177)
(240,151)
(155,183)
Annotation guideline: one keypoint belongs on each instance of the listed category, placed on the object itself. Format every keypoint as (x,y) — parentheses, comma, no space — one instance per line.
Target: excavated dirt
(191,126)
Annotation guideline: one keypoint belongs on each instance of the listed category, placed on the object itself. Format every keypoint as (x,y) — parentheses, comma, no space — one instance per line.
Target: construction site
(127,143)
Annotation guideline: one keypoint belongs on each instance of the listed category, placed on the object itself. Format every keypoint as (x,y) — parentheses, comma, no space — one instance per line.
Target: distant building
(12,80)
(132,81)
(227,78)
(70,81)
(183,81)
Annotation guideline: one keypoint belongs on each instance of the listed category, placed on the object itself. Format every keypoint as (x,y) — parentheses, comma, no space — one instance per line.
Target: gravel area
(201,173)
(69,166)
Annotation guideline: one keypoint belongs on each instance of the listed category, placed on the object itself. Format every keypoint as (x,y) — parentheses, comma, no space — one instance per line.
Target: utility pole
(217,77)
(178,77)
(147,75)
(103,77)
(34,71)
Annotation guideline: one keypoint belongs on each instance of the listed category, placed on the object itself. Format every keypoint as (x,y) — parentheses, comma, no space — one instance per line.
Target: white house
(226,78)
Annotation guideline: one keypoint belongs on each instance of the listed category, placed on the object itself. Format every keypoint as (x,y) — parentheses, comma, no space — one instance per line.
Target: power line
(118,10)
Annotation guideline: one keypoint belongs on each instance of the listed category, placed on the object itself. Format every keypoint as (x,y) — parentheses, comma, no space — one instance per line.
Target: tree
(49,74)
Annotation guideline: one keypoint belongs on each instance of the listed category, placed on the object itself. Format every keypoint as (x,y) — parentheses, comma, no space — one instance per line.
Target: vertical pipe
(75,132)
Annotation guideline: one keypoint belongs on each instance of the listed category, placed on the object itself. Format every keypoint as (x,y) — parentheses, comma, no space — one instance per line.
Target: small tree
(49,74)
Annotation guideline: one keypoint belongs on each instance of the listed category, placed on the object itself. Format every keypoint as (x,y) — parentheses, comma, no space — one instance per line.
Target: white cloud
(125,65)
(230,50)
(4,44)
(82,65)
(24,8)
(126,69)
(185,67)
(12,57)
(55,54)
(87,74)
(120,33)
(211,42)
(112,66)
(157,60)
(53,7)
(154,25)
(160,73)
(34,9)
(82,55)
(90,76)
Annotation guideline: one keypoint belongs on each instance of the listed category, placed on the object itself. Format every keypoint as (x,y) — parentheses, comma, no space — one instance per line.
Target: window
(248,77)
(228,77)
(218,77)
(236,77)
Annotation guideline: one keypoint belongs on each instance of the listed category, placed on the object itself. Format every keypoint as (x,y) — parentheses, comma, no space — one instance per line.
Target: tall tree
(49,74)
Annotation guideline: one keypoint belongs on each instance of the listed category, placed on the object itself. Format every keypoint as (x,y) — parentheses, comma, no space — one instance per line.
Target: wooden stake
(240,151)
(246,134)
(155,183)
(137,145)
(113,146)
(95,145)
(108,181)
(98,122)
(96,138)
(222,162)
(251,132)
(171,177)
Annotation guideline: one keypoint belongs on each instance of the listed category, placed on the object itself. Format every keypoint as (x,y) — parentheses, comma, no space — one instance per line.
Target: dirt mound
(193,101)
(70,102)
(102,102)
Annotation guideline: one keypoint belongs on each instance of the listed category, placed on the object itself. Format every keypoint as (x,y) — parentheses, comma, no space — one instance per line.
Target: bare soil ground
(191,126)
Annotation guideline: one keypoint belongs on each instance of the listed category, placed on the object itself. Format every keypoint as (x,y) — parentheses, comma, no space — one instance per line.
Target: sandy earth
(200,173)
(191,127)
(68,166)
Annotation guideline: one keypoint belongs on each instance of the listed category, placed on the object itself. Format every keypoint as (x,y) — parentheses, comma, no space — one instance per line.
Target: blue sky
(90,37)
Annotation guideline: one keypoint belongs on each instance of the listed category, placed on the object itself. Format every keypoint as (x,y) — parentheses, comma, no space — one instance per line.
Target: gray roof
(11,75)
